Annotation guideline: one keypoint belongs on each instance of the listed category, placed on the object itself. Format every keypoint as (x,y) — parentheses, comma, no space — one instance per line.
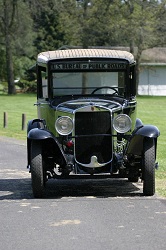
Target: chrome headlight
(64,125)
(122,123)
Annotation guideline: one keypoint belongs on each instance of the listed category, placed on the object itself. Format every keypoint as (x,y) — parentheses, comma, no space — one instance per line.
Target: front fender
(36,123)
(47,140)
(147,131)
(135,145)
(39,134)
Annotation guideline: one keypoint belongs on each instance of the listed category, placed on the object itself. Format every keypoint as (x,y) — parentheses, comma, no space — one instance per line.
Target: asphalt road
(93,214)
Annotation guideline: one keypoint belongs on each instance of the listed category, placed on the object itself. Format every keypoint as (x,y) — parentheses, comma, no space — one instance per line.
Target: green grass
(15,106)
(151,110)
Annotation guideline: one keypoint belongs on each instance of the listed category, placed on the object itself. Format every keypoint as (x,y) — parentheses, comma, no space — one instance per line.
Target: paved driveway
(76,213)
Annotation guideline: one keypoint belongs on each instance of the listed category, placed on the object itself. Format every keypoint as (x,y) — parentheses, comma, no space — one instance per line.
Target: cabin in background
(152,79)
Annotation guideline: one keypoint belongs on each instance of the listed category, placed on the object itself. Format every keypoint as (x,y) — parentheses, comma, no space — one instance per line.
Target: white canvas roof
(44,57)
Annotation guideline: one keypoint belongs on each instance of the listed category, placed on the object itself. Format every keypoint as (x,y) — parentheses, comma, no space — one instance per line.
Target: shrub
(27,86)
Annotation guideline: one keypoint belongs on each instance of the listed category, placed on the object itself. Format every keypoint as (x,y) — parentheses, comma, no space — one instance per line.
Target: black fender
(36,123)
(135,145)
(147,131)
(49,142)
(39,134)
(138,123)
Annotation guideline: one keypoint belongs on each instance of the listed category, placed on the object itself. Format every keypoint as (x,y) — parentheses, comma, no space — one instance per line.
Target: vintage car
(87,120)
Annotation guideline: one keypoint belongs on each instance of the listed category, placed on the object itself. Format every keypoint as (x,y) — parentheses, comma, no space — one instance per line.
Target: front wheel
(149,167)
(37,175)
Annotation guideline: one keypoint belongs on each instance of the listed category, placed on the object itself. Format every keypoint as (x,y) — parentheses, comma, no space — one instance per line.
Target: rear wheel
(149,167)
(37,173)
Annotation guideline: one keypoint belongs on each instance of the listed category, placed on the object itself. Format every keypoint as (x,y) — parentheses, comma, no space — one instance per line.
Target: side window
(44,85)
(133,80)
(121,80)
(42,82)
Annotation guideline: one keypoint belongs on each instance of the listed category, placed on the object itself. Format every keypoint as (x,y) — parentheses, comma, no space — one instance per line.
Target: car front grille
(93,136)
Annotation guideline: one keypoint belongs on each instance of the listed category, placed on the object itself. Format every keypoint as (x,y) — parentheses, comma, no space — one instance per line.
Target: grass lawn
(15,106)
(151,110)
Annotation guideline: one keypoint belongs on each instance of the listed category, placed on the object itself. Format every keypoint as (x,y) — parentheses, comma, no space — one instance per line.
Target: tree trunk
(138,60)
(85,35)
(9,60)
(9,65)
(132,47)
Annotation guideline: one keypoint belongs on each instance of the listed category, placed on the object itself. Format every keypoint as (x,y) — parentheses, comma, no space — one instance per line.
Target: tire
(149,167)
(37,175)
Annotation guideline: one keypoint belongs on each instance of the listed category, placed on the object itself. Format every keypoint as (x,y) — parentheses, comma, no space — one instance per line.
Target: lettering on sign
(87,66)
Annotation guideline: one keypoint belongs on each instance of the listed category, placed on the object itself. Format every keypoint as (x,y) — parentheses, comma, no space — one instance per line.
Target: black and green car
(87,120)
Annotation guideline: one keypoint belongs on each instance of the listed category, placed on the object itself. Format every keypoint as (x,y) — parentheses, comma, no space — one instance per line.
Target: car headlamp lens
(64,125)
(122,123)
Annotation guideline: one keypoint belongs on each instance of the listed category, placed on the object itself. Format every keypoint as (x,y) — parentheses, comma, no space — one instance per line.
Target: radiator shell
(93,136)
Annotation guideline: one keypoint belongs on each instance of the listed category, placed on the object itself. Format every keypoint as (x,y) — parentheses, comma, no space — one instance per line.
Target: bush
(27,86)
(3,87)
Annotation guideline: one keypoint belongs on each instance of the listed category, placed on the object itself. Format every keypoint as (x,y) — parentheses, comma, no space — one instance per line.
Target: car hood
(87,104)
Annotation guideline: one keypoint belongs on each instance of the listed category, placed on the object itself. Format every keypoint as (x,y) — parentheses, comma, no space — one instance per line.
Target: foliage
(115,23)
(16,31)
(161,24)
(94,23)
(29,27)
(49,34)
(140,21)
(27,86)
(2,64)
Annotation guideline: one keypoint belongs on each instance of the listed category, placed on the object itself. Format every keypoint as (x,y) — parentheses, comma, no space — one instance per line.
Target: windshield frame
(95,66)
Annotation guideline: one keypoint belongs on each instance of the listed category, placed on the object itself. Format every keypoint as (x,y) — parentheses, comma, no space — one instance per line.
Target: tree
(6,23)
(131,23)
(85,22)
(3,63)
(73,16)
(15,27)
(161,24)
(140,22)
(50,36)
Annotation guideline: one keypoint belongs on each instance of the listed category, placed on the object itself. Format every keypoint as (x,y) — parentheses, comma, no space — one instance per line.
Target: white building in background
(152,79)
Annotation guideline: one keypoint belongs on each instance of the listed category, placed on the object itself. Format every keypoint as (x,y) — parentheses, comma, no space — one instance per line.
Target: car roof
(46,56)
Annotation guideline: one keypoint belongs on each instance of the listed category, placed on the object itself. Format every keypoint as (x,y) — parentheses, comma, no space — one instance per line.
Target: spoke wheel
(149,167)
(37,175)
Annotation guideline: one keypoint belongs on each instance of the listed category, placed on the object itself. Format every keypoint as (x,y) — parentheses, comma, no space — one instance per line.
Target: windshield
(80,83)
